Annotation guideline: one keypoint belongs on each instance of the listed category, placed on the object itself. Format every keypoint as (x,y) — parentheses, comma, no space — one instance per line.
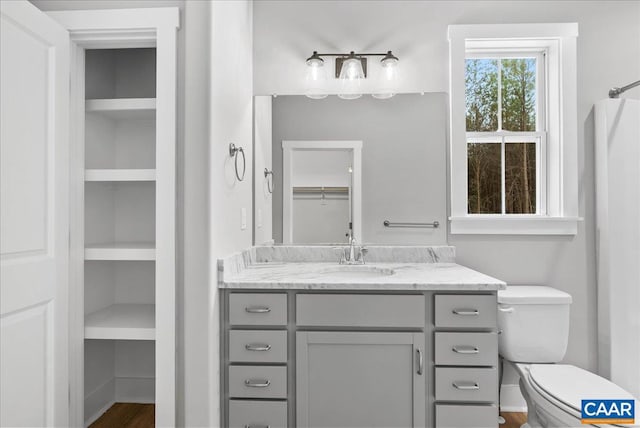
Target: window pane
(518,94)
(481,80)
(520,178)
(484,178)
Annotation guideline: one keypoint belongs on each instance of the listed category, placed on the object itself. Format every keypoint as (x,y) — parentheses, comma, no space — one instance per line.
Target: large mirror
(326,170)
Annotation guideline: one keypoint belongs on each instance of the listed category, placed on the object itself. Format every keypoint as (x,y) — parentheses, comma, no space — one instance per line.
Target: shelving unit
(124,321)
(122,179)
(122,289)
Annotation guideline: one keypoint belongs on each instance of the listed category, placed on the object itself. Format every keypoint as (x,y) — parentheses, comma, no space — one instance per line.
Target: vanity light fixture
(350,69)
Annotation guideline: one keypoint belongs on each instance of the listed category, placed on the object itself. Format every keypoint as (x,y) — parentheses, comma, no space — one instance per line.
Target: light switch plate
(243,219)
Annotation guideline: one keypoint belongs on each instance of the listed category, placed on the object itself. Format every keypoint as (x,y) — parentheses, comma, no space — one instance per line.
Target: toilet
(534,324)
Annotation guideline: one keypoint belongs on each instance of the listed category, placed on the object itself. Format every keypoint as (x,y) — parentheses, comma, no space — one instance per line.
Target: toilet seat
(564,386)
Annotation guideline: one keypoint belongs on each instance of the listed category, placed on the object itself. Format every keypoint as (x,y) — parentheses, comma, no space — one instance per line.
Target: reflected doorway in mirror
(322,191)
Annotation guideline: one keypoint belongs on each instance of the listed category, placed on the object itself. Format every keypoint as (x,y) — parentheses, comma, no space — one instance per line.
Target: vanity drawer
(257,346)
(461,416)
(257,309)
(466,349)
(466,384)
(257,382)
(360,310)
(257,414)
(470,311)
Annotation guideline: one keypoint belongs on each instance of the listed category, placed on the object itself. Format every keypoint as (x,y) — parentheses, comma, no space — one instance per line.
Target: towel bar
(434,224)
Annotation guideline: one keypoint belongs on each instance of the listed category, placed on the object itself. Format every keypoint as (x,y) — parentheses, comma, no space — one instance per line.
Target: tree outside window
(503,134)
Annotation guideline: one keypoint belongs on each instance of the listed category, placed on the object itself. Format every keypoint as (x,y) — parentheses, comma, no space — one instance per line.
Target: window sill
(513,225)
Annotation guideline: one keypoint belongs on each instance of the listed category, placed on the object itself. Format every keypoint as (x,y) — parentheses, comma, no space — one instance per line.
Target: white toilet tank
(534,321)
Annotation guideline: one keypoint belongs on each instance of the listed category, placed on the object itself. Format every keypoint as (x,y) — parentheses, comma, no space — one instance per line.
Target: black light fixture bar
(350,53)
(341,57)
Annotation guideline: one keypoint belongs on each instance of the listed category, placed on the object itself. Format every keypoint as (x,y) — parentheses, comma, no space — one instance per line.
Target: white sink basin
(353,272)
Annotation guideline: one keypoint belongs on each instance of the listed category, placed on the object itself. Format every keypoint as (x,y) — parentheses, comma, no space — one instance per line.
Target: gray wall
(403,157)
(608,55)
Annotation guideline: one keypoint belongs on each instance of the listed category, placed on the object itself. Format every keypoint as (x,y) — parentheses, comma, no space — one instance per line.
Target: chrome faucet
(352,248)
(354,254)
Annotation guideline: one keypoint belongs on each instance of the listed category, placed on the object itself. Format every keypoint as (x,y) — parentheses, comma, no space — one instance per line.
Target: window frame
(558,41)
(540,134)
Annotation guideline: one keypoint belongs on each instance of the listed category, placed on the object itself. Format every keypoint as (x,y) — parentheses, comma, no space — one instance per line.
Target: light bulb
(351,74)
(316,78)
(388,82)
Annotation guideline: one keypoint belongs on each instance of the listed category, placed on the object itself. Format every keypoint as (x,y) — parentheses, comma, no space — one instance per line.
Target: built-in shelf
(122,321)
(120,175)
(123,108)
(120,251)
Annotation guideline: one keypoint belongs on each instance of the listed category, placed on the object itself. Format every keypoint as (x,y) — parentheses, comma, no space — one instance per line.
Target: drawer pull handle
(466,386)
(465,349)
(257,347)
(466,312)
(262,383)
(257,309)
(420,361)
(257,426)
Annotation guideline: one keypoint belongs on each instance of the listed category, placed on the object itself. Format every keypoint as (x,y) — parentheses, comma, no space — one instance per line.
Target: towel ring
(233,152)
(268,173)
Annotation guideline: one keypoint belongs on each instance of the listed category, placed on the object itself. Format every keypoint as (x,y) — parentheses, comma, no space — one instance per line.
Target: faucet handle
(363,252)
(341,256)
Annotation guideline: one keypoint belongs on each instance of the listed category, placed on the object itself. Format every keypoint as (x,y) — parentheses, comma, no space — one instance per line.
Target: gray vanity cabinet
(359,358)
(360,379)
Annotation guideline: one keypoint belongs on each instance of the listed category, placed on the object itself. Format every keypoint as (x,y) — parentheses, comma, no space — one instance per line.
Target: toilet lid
(569,384)
(533,295)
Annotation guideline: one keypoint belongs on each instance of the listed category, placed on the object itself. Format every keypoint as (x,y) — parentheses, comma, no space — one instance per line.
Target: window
(513,129)
(505,126)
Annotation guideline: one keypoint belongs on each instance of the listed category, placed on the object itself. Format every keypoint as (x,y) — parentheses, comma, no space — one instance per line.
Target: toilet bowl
(534,324)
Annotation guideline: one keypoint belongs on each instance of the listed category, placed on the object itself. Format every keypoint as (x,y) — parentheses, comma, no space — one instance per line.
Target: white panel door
(34,217)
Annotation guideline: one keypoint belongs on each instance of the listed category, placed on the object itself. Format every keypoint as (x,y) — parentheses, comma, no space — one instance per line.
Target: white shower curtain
(617,158)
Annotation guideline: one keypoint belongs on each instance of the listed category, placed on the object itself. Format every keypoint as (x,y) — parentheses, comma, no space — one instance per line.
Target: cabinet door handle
(257,309)
(257,426)
(466,312)
(420,361)
(261,383)
(257,347)
(465,349)
(466,386)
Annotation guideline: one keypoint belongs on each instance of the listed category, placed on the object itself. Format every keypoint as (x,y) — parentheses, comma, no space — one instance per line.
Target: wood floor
(513,420)
(130,415)
(127,415)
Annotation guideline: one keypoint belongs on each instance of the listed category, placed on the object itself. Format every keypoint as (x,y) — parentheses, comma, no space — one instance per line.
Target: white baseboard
(98,401)
(118,390)
(511,400)
(97,414)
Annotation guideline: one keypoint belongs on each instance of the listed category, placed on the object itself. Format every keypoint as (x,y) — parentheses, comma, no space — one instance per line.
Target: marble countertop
(396,276)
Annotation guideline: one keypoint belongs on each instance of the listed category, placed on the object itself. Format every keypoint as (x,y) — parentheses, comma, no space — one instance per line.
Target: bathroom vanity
(408,339)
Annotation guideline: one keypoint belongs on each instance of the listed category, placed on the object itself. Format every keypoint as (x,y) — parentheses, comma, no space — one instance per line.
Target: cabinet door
(360,379)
